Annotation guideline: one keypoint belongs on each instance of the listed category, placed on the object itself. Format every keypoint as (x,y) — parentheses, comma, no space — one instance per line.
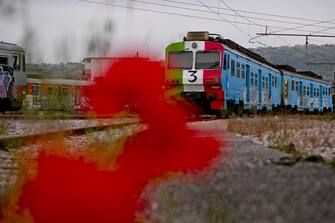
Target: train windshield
(180,60)
(207,60)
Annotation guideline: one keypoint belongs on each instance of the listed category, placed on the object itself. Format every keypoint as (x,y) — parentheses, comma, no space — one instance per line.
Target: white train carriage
(13,76)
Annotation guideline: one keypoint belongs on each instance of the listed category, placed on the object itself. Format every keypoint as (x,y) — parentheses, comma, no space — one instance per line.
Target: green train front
(194,68)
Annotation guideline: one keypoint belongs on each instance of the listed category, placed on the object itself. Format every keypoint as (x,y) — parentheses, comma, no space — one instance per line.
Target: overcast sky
(66,30)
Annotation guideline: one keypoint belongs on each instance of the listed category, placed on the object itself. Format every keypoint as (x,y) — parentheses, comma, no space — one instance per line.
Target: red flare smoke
(71,190)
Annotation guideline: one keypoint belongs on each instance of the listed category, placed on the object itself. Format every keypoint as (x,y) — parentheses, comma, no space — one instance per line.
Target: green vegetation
(300,136)
(2,129)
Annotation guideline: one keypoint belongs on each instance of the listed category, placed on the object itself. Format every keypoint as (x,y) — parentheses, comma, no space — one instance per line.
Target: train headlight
(194,45)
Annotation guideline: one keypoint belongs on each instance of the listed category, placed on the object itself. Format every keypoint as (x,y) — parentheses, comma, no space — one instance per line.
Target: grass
(332,162)
(298,135)
(2,129)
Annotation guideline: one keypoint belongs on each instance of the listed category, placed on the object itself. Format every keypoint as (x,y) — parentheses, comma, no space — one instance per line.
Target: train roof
(235,46)
(10,47)
(310,74)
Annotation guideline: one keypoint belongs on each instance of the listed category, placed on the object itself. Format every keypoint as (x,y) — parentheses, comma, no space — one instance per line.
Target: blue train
(221,76)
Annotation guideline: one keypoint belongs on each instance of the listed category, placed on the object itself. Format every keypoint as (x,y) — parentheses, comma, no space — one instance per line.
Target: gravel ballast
(246,186)
(243,185)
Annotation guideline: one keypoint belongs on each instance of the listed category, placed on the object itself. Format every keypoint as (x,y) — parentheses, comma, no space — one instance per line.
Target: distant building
(95,67)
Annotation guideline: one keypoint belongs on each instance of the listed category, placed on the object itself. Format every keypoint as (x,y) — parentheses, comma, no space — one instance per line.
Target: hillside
(296,57)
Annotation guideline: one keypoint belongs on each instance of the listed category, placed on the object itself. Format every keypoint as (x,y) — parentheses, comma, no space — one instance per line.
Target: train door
(248,84)
(300,96)
(260,88)
(320,96)
(286,89)
(270,88)
(312,96)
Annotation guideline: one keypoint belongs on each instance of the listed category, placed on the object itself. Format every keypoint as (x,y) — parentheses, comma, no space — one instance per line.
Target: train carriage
(13,77)
(221,76)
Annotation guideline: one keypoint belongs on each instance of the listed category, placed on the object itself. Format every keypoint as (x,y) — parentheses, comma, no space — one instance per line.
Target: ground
(246,183)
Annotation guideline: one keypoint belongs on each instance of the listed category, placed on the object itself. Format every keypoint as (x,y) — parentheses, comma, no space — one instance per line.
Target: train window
(36,90)
(225,62)
(272,81)
(314,92)
(296,86)
(252,79)
(228,61)
(77,96)
(207,60)
(49,90)
(232,63)
(256,80)
(263,82)
(304,90)
(243,71)
(267,82)
(292,85)
(330,91)
(65,92)
(180,60)
(238,70)
(23,63)
(276,82)
(317,92)
(3,61)
(16,62)
(307,91)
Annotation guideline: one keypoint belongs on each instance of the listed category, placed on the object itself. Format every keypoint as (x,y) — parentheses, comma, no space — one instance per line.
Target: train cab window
(207,60)
(16,62)
(243,71)
(238,70)
(232,72)
(3,61)
(180,60)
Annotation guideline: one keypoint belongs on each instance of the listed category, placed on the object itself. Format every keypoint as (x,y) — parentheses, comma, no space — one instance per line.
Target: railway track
(54,116)
(22,140)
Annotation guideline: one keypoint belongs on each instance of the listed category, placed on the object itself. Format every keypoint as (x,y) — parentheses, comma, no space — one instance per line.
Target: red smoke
(68,189)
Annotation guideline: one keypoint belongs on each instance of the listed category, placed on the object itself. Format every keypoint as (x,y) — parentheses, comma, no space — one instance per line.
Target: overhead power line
(161,12)
(282,39)
(225,14)
(179,14)
(246,11)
